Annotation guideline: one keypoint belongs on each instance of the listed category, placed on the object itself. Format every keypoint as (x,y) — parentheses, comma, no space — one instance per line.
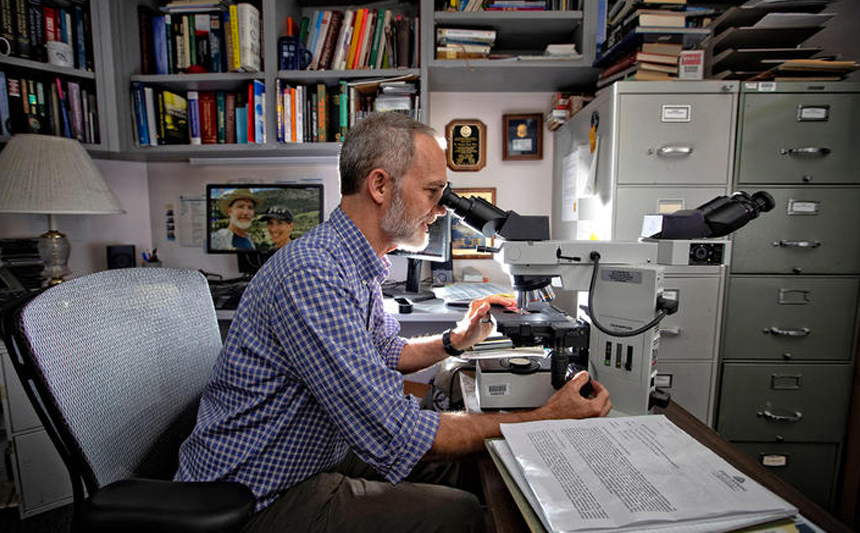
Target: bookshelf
(92,81)
(519,33)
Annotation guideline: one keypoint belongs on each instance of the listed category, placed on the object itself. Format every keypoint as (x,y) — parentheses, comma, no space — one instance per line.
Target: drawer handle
(803,332)
(797,244)
(806,151)
(780,418)
(670,332)
(674,151)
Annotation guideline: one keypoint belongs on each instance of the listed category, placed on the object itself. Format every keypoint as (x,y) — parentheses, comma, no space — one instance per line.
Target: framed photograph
(523,137)
(467,144)
(465,240)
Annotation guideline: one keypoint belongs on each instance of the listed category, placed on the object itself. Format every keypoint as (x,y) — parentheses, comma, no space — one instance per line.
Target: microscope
(617,340)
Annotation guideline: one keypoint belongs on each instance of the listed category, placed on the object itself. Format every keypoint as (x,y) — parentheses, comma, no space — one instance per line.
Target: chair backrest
(119,360)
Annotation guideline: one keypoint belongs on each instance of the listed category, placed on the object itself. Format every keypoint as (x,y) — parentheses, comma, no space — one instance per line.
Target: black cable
(595,257)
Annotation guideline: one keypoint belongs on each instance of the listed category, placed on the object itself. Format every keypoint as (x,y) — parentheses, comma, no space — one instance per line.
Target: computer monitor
(255,220)
(438,249)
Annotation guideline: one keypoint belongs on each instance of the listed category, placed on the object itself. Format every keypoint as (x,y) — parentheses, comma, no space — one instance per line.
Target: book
(208,118)
(234,38)
(458,35)
(80,37)
(643,34)
(230,104)
(248,31)
(77,114)
(367,40)
(175,118)
(4,107)
(139,113)
(343,40)
(216,38)
(377,37)
(358,39)
(657,58)
(194,117)
(221,117)
(603,474)
(312,29)
(147,40)
(259,125)
(151,118)
(159,45)
(330,43)
(654,17)
(241,118)
(669,49)
(386,26)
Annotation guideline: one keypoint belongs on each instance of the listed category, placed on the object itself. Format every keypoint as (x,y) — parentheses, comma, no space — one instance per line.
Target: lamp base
(54,249)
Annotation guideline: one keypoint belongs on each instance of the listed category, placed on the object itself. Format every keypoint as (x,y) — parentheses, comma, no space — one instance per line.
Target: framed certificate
(464,240)
(523,138)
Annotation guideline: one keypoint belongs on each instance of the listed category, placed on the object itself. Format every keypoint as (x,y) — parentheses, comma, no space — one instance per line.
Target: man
(279,223)
(306,404)
(240,206)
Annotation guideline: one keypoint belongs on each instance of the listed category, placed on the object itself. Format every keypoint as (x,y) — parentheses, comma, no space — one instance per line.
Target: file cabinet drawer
(675,138)
(798,403)
(810,468)
(800,318)
(689,383)
(691,332)
(799,138)
(810,231)
(633,203)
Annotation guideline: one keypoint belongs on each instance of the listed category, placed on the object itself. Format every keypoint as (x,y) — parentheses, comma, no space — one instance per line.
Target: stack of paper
(629,474)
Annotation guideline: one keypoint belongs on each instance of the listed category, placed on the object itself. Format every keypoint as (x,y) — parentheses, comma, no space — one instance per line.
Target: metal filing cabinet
(41,478)
(661,146)
(790,330)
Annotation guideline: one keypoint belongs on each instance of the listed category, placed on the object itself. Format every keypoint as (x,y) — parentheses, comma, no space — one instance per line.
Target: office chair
(114,363)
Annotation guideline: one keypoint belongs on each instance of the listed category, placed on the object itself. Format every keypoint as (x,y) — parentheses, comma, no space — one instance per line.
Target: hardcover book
(175,118)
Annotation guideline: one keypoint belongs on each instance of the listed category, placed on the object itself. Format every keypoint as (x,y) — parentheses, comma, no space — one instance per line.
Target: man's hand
(568,403)
(476,325)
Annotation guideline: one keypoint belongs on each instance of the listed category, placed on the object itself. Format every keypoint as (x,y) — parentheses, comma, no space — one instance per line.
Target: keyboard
(469,291)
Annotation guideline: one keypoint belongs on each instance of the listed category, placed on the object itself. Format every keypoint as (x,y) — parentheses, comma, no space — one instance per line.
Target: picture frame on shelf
(523,137)
(465,240)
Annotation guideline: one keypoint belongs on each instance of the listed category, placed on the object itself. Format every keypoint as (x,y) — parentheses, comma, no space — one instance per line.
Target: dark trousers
(354,498)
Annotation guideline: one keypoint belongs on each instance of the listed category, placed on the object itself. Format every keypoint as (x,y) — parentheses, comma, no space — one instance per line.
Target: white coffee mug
(60,54)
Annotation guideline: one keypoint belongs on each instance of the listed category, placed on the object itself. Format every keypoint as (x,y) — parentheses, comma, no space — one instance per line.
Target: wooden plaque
(467,144)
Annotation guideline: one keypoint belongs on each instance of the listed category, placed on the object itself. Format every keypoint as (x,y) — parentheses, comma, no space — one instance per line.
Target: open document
(629,474)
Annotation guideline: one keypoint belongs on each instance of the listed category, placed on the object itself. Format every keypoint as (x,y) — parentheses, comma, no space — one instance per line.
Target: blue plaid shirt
(308,372)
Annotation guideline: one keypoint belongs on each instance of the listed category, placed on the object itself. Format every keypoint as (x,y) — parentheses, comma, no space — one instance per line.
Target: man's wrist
(452,343)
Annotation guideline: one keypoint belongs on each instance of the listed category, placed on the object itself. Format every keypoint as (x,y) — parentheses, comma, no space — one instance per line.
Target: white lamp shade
(54,176)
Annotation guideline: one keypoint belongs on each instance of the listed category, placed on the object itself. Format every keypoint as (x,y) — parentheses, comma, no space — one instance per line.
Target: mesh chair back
(125,355)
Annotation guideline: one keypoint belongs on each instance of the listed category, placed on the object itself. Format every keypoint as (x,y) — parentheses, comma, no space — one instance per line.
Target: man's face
(242,213)
(280,231)
(415,202)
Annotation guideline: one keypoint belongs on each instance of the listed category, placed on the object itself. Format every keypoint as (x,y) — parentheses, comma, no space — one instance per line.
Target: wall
(839,35)
(89,234)
(522,186)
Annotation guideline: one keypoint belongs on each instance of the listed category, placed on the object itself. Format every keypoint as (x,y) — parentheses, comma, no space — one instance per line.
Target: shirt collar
(370,266)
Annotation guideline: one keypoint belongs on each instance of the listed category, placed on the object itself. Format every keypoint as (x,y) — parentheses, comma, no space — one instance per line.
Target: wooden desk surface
(505,517)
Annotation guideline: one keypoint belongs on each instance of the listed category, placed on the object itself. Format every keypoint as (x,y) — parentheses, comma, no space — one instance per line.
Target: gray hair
(381,140)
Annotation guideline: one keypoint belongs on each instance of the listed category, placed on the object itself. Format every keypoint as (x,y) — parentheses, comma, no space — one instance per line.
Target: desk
(427,318)
(505,517)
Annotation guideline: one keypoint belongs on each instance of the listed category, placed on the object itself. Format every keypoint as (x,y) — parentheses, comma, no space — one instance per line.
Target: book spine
(64,109)
(85,105)
(300,113)
(147,40)
(377,37)
(189,41)
(48,19)
(293,117)
(313,28)
(56,114)
(402,37)
(139,114)
(162,132)
(241,119)
(37,31)
(322,33)
(362,38)
(221,117)
(259,114)
(22,31)
(341,37)
(7,23)
(194,117)
(215,39)
(5,123)
(231,118)
(159,43)
(350,58)
(80,38)
(249,38)
(329,46)
(201,41)
(344,110)
(288,115)
(77,112)
(251,128)
(208,118)
(234,36)
(322,113)
(151,119)
(227,31)
(279,109)
(367,40)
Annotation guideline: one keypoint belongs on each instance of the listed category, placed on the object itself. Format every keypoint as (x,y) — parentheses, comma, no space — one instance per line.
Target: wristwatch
(446,344)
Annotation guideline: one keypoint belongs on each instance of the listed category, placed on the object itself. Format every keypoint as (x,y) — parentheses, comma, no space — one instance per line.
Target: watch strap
(446,344)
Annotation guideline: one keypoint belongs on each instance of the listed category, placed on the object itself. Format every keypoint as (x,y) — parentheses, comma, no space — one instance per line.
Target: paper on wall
(192,221)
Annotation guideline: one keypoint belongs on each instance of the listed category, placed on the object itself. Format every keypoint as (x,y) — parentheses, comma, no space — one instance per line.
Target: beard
(240,223)
(406,232)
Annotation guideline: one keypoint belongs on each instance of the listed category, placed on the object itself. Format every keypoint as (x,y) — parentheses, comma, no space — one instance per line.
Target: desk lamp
(43,174)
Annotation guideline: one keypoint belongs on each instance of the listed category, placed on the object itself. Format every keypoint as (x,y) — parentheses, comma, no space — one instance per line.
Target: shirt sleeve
(322,323)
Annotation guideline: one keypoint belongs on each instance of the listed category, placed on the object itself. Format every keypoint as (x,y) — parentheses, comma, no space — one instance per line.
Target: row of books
(461,43)
(512,5)
(223,38)
(563,107)
(27,26)
(649,62)
(198,117)
(49,107)
(361,38)
(321,113)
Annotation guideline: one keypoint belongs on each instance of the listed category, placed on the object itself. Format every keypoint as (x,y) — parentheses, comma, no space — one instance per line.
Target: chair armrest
(146,505)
